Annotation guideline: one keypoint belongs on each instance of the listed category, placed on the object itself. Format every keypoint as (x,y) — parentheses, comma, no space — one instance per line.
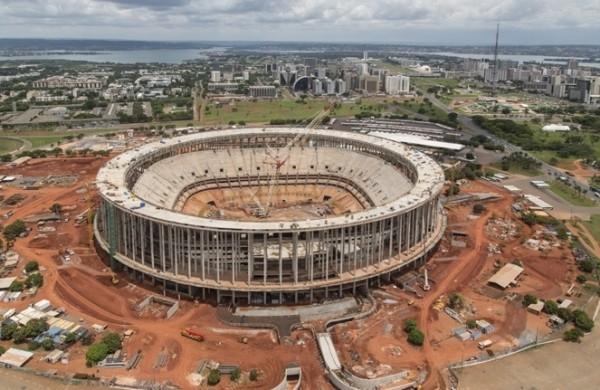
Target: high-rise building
(262,91)
(340,87)
(329,86)
(369,84)
(246,75)
(215,76)
(317,87)
(396,85)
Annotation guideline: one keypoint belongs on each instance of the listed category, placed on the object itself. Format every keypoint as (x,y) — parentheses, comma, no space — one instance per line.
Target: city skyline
(385,21)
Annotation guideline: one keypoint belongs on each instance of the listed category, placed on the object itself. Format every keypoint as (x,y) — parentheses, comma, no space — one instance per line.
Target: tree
(56,208)
(235,374)
(32,266)
(565,314)
(112,341)
(471,324)
(409,325)
(214,377)
(20,335)
(7,331)
(456,301)
(47,344)
(582,321)
(36,327)
(70,338)
(581,278)
(529,300)
(550,307)
(14,230)
(453,117)
(478,208)
(16,286)
(573,335)
(87,339)
(96,352)
(416,337)
(253,375)
(587,265)
(34,280)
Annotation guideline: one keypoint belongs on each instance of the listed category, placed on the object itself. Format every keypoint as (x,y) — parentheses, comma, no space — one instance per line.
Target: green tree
(32,266)
(253,376)
(36,327)
(214,377)
(409,325)
(529,300)
(550,307)
(14,230)
(582,320)
(235,374)
(7,330)
(471,324)
(34,280)
(20,335)
(573,335)
(416,337)
(587,265)
(456,301)
(16,286)
(56,208)
(112,341)
(70,338)
(47,344)
(87,339)
(96,352)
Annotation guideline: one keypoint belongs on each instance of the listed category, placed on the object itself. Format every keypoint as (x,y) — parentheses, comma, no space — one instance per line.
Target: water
(552,60)
(168,56)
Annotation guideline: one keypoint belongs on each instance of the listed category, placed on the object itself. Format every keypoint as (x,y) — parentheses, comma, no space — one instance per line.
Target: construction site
(315,282)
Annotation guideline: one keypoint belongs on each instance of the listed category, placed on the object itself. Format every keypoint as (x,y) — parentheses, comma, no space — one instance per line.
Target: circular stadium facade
(275,215)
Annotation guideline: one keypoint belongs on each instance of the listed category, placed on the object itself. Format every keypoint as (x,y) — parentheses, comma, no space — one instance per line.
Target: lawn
(262,111)
(570,195)
(593,225)
(39,141)
(426,82)
(550,157)
(8,145)
(517,170)
(418,107)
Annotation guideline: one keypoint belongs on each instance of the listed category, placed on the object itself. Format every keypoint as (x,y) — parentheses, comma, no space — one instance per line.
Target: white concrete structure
(554,128)
(215,76)
(397,85)
(140,226)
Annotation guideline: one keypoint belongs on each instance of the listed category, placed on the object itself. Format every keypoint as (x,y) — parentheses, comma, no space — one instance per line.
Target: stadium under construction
(269,216)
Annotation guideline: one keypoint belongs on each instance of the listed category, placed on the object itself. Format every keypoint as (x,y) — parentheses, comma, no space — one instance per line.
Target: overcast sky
(389,21)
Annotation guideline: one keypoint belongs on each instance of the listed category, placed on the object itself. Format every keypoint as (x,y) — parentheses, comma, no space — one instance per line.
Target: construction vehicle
(192,333)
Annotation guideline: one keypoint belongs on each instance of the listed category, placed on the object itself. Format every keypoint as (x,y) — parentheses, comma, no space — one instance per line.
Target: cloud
(291,19)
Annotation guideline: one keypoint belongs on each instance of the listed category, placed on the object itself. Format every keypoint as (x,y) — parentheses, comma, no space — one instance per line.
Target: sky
(380,21)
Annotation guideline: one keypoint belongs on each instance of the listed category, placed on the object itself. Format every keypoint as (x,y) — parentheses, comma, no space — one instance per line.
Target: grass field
(514,169)
(549,156)
(418,107)
(593,225)
(570,195)
(43,140)
(8,145)
(262,111)
(426,82)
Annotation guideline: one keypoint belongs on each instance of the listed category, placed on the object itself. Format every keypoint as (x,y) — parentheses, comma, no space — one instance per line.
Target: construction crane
(275,159)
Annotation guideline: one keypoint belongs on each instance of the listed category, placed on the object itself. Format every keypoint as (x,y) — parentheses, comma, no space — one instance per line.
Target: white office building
(215,76)
(397,85)
(262,91)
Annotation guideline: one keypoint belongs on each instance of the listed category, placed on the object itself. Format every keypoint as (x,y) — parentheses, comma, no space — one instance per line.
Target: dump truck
(192,333)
